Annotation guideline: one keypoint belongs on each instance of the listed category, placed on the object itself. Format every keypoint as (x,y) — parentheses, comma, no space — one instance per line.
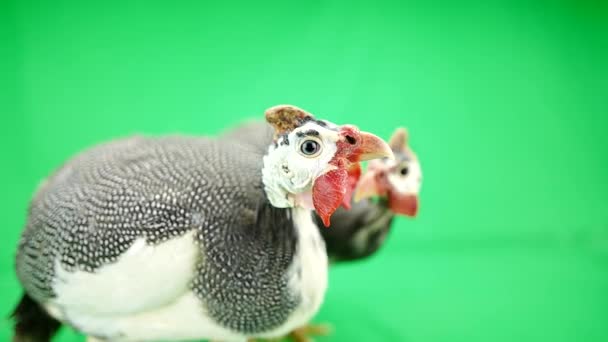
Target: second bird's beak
(368,187)
(375,183)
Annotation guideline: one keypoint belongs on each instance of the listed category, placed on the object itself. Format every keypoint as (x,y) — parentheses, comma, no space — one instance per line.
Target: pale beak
(367,187)
(372,147)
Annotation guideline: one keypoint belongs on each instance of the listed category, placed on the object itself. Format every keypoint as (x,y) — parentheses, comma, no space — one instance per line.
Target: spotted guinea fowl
(178,238)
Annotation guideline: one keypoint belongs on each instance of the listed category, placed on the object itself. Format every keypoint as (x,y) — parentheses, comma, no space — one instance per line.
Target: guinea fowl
(179,238)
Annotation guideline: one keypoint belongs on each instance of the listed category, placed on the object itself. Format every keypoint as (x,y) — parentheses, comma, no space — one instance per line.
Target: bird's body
(170,238)
(188,238)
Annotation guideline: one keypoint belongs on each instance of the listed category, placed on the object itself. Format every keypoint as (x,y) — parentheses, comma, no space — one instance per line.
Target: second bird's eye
(310,147)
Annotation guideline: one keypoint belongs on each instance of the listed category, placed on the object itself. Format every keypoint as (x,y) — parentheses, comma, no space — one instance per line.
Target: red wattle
(403,204)
(328,193)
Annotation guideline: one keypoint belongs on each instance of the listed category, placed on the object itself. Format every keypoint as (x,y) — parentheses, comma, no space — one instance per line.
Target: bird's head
(313,163)
(398,180)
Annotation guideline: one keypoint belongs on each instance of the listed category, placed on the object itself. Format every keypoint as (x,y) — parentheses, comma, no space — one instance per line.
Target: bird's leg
(304,334)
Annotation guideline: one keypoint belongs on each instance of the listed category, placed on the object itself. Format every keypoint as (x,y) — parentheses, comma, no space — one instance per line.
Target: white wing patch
(144,278)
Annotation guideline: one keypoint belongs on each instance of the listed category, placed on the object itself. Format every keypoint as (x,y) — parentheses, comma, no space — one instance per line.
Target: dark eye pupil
(310,147)
(404,171)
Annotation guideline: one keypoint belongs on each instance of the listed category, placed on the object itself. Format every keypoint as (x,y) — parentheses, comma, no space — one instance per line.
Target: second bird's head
(397,182)
(314,163)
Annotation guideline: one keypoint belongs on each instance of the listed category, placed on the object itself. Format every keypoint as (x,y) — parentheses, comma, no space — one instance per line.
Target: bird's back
(96,205)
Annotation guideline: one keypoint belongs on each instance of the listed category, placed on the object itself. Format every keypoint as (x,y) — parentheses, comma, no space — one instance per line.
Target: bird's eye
(310,148)
(404,170)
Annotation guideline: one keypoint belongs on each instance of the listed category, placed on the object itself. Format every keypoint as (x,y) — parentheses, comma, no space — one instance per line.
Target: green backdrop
(506,102)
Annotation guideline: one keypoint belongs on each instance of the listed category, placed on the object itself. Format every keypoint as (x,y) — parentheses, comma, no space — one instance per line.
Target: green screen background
(506,103)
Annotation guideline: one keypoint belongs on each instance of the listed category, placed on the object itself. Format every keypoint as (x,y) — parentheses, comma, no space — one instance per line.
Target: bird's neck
(280,192)
(272,175)
(302,219)
(283,187)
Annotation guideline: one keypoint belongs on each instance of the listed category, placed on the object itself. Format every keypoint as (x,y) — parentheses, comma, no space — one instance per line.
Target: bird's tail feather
(32,322)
